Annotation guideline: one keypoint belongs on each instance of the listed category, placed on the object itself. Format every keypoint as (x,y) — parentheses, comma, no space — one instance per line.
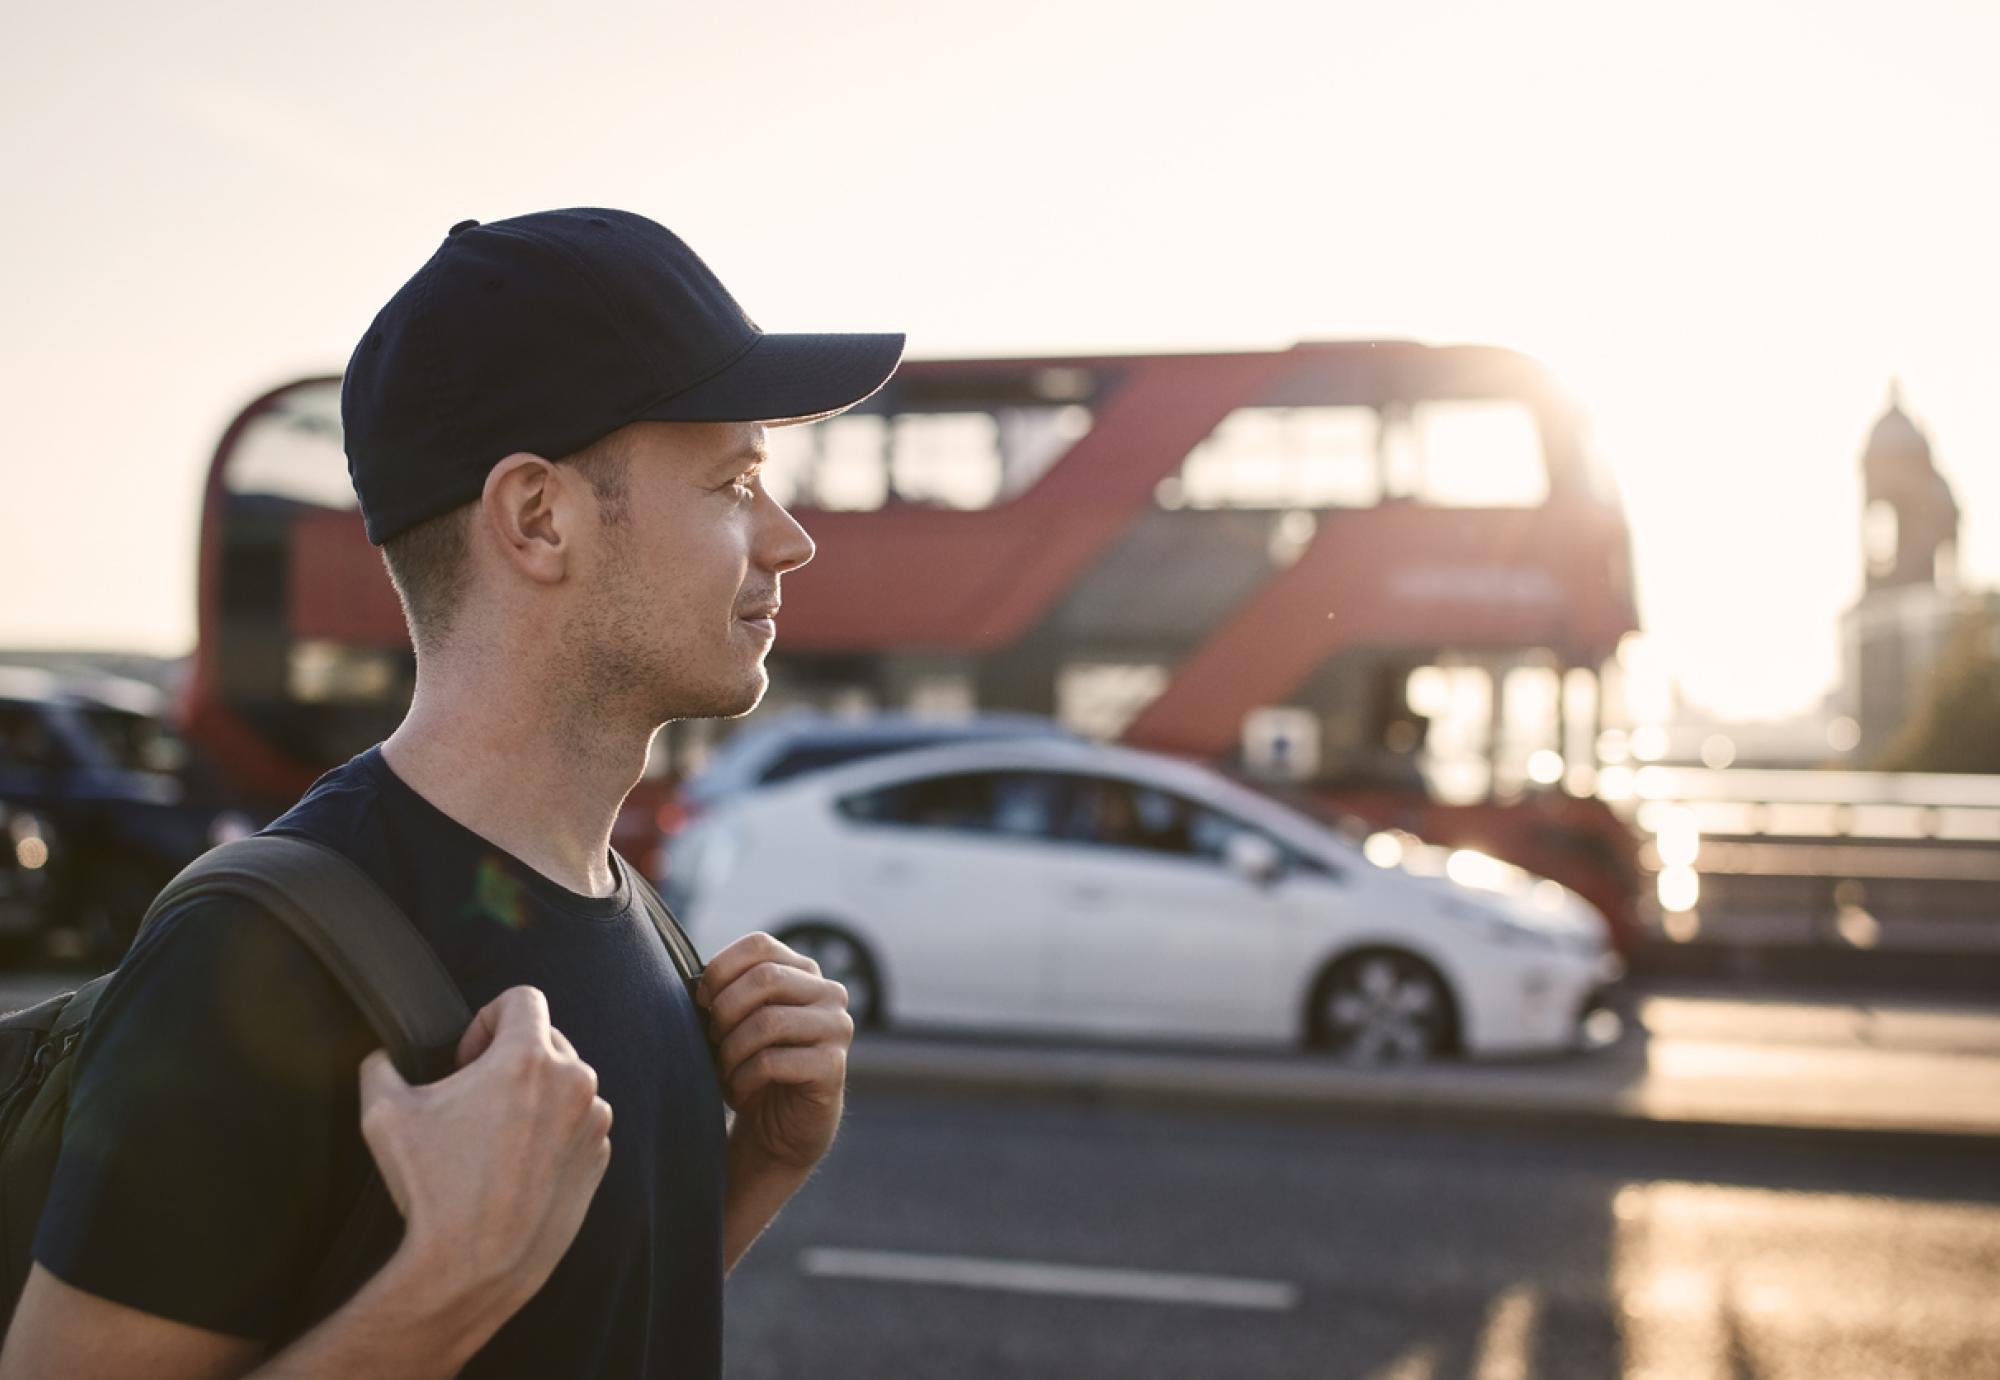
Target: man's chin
(732,703)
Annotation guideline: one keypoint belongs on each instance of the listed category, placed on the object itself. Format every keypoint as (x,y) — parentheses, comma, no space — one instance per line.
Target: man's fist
(781,1033)
(494,1166)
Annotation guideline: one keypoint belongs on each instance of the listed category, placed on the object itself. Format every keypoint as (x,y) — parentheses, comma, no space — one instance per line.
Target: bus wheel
(845,960)
(1382,1007)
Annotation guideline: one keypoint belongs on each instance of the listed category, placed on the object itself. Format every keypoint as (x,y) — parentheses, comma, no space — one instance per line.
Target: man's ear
(529,510)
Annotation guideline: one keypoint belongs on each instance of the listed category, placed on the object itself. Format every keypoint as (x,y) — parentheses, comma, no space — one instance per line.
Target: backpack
(362,938)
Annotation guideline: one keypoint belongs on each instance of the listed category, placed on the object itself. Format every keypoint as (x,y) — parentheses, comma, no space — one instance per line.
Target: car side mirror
(1253,857)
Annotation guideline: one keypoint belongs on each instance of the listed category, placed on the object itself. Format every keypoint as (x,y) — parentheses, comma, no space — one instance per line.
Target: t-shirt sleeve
(213,1130)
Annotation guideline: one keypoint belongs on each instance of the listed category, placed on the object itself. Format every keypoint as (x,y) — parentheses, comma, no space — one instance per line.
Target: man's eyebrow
(741,459)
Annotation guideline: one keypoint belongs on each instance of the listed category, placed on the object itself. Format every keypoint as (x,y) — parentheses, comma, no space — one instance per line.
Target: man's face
(679,593)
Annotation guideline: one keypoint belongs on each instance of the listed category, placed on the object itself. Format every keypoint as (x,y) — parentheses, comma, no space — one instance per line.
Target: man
(554,430)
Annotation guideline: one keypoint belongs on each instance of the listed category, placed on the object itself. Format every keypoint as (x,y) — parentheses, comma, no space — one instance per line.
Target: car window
(1115,813)
(1014,803)
(1121,814)
(25,740)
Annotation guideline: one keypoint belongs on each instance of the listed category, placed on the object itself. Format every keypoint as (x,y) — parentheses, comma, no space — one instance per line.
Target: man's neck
(544,793)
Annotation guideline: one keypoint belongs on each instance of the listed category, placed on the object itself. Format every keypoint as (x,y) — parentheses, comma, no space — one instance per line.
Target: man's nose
(783,544)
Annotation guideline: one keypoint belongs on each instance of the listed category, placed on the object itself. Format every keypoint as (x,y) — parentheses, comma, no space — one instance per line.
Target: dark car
(117,796)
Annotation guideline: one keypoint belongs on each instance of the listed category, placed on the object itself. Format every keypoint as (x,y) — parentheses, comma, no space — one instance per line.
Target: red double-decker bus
(1385,579)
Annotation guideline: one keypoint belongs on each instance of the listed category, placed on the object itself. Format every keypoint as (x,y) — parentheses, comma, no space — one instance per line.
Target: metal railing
(1862,859)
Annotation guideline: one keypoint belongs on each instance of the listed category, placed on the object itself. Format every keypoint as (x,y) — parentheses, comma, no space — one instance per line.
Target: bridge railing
(1860,859)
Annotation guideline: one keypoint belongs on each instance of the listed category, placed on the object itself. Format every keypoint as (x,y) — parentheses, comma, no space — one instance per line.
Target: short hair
(430,564)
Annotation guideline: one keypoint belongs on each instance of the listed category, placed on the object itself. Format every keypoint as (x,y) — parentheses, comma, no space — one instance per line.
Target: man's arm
(492,1168)
(758,1187)
(398,1326)
(782,1033)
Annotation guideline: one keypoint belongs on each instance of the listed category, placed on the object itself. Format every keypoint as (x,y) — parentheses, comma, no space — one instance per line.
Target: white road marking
(1420,1362)
(1506,1340)
(1035,1277)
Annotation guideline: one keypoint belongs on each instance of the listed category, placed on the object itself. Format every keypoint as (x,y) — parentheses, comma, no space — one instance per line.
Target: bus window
(1529,750)
(1458,703)
(1478,454)
(952,458)
(292,450)
(1452,452)
(1098,698)
(836,464)
(965,458)
(1285,457)
(322,672)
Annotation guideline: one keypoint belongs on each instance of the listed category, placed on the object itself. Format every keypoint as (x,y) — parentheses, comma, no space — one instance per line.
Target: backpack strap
(352,927)
(687,961)
(388,970)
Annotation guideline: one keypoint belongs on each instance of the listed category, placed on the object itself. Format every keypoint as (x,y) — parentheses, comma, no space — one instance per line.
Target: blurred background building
(1912,603)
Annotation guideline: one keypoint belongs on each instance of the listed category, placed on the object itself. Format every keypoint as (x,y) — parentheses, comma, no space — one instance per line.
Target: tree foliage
(1957,726)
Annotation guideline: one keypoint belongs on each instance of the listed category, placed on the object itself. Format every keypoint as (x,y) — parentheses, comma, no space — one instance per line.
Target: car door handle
(1087,893)
(894,870)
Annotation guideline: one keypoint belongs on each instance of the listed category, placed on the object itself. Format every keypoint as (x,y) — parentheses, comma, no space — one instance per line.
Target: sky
(1726,226)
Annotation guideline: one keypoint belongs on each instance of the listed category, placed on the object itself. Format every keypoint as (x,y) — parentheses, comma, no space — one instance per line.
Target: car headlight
(26,839)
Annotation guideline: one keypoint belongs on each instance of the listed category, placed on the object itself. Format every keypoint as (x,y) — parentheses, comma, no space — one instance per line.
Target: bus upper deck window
(1285,457)
(292,450)
(1479,453)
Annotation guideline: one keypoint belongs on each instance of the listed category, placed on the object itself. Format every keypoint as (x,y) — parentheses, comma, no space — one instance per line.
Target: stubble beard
(619,679)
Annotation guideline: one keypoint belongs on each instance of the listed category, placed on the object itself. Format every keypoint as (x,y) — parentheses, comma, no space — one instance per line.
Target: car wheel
(1383,1007)
(844,959)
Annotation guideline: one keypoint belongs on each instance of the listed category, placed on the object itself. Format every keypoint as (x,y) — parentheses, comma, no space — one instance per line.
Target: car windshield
(811,756)
(134,742)
(819,756)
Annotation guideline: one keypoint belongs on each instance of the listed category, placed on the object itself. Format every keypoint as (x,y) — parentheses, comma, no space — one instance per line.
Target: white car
(1048,886)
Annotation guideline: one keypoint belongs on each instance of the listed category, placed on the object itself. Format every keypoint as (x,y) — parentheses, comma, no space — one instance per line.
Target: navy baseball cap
(548,331)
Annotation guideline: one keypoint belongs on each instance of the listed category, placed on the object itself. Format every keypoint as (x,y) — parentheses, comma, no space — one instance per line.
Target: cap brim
(785,379)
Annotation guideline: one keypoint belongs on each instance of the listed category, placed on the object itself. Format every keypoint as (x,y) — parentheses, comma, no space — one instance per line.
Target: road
(954,1237)
(951,1238)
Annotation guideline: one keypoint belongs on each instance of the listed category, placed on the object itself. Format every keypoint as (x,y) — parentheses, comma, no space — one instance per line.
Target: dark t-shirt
(213,1140)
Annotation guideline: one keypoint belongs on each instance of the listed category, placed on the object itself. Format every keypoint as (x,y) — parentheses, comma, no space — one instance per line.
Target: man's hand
(494,1166)
(781,1033)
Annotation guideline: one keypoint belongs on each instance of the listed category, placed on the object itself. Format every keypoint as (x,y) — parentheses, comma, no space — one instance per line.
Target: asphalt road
(948,1237)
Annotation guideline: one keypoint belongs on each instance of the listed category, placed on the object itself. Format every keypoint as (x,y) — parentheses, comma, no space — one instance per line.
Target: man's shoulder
(220,967)
(340,810)
(226,937)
